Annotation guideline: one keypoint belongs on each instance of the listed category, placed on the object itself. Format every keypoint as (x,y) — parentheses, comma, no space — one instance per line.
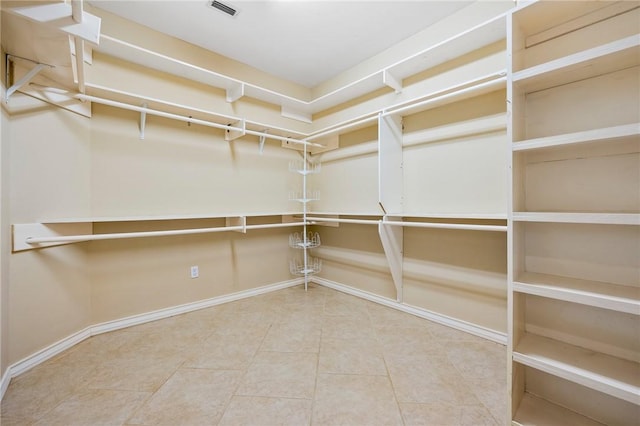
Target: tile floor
(285,358)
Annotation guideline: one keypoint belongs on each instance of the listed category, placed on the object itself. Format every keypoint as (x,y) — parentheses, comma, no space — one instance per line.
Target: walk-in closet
(434,219)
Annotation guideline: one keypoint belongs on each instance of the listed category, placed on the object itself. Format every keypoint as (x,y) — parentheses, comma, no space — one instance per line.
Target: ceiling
(306,42)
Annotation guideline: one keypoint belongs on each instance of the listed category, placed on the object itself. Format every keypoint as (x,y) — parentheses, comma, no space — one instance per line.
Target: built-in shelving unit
(574,219)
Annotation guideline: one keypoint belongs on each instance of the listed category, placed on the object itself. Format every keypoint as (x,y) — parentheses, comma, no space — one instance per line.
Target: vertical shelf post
(390,179)
(392,238)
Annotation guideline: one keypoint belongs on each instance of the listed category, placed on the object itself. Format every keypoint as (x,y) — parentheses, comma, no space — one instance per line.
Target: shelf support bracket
(38,230)
(263,138)
(61,16)
(392,239)
(24,80)
(237,221)
(233,134)
(235,92)
(143,121)
(390,80)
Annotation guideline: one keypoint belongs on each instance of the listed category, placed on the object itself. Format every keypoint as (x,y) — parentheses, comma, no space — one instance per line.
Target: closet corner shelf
(610,57)
(604,295)
(604,373)
(603,135)
(584,218)
(538,411)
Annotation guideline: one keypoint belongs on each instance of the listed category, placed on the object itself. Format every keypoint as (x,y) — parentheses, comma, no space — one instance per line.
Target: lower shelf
(593,293)
(604,373)
(537,411)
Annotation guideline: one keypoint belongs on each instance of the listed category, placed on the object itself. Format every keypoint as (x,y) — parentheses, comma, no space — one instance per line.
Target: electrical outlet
(195,273)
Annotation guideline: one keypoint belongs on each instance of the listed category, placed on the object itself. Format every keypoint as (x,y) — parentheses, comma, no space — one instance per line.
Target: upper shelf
(296,107)
(602,135)
(620,54)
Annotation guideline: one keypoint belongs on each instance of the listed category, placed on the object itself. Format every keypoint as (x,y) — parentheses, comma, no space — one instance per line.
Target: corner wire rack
(306,239)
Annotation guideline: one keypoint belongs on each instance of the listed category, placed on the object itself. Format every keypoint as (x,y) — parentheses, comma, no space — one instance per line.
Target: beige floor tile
(96,348)
(355,400)
(348,356)
(492,393)
(292,337)
(408,341)
(189,397)
(251,356)
(94,407)
(345,327)
(445,415)
(142,373)
(232,350)
(15,421)
(34,393)
(280,374)
(428,380)
(341,304)
(254,410)
(478,360)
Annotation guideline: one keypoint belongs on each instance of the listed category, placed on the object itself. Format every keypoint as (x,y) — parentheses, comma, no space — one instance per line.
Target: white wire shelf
(299,167)
(297,240)
(304,197)
(298,267)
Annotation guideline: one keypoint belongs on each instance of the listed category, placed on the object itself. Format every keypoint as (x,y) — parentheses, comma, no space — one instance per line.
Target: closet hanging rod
(336,220)
(123,235)
(459,226)
(495,79)
(141,109)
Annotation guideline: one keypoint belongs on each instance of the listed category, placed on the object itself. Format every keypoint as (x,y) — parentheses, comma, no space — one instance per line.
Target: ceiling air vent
(223,7)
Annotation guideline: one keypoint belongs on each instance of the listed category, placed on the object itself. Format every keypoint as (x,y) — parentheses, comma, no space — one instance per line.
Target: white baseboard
(189,307)
(476,330)
(4,384)
(69,341)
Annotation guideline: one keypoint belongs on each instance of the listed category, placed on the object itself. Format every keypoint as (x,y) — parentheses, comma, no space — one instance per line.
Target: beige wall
(5,241)
(49,290)
(183,170)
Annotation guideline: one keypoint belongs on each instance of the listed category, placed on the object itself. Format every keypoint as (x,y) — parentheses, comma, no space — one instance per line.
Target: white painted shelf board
(604,373)
(535,411)
(593,293)
(138,55)
(463,216)
(149,218)
(618,55)
(587,218)
(602,135)
(472,39)
(488,124)
(172,107)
